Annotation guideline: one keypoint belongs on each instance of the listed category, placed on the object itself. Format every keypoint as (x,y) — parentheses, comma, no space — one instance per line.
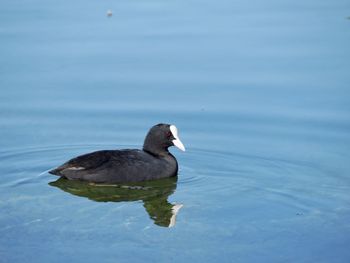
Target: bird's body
(129,165)
(117,166)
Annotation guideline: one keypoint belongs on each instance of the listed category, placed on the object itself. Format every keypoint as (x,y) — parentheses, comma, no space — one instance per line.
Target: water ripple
(202,171)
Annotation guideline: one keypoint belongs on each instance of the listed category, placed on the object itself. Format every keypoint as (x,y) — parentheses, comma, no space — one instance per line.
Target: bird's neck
(155,149)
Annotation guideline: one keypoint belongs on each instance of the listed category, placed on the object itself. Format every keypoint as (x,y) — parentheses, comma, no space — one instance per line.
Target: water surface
(258,90)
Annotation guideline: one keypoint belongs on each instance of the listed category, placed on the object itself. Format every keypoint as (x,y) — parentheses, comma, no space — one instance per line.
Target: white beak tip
(179,145)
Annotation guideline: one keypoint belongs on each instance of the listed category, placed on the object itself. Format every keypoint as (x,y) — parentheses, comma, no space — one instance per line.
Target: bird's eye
(168,134)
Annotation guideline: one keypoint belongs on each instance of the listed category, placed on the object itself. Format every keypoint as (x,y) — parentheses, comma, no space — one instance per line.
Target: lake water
(260,93)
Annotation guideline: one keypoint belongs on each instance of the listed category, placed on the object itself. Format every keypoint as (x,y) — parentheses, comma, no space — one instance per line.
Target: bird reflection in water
(154,195)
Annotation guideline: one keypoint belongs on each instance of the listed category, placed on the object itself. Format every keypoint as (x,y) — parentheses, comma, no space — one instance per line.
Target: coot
(154,161)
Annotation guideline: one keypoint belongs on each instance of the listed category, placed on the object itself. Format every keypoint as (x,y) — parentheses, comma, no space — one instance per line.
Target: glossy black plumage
(129,165)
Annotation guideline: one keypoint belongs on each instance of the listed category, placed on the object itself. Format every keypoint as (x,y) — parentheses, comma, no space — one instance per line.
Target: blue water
(259,91)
